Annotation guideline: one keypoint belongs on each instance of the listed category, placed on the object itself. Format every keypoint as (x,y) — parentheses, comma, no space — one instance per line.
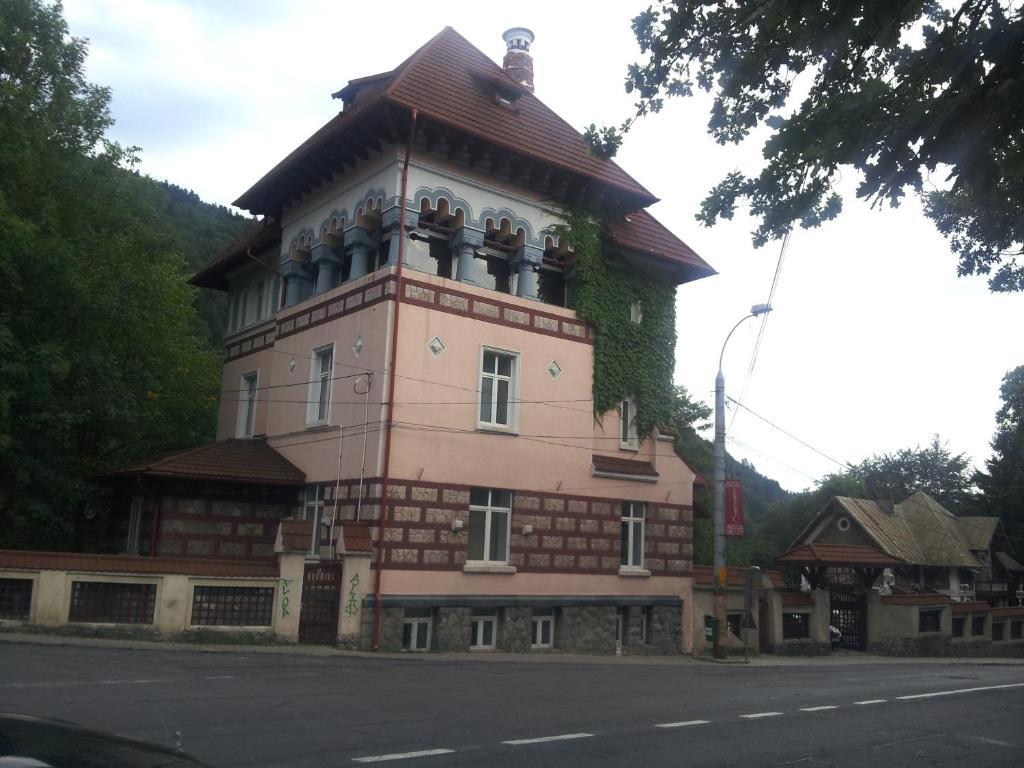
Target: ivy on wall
(630,359)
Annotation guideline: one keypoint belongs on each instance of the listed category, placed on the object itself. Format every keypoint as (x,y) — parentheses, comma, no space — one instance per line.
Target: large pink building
(407,384)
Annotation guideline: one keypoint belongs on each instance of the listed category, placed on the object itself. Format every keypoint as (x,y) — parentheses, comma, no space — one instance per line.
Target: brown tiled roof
(642,232)
(450,81)
(977,532)
(917,598)
(296,535)
(975,606)
(623,466)
(837,554)
(264,234)
(236,461)
(72,561)
(794,599)
(704,576)
(355,537)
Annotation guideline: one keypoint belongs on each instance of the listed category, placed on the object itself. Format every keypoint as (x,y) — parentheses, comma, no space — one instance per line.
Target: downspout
(391,386)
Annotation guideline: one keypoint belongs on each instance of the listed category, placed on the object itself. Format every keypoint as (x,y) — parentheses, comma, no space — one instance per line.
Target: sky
(874,344)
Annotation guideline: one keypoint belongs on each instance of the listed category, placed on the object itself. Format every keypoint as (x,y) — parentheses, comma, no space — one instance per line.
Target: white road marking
(69,684)
(818,709)
(219,677)
(996,742)
(871,701)
(960,690)
(401,755)
(560,737)
(761,714)
(682,724)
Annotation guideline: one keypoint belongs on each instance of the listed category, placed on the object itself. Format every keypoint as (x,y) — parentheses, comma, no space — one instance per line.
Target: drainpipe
(391,386)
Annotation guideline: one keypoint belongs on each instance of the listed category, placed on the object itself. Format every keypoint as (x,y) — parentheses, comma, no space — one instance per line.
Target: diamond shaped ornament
(357,345)
(436,346)
(554,369)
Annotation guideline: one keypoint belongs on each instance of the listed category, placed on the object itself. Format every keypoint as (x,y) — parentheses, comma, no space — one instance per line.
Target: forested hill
(771,520)
(199,230)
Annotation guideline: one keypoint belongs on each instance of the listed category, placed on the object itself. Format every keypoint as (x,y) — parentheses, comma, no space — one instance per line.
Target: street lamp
(719,649)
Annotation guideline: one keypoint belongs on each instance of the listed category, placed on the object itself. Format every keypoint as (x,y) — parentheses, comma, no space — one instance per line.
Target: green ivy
(630,359)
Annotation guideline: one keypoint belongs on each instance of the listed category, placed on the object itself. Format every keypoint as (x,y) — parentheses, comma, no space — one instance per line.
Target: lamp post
(719,649)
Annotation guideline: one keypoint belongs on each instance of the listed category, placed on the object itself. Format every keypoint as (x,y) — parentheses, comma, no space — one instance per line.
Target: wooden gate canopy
(815,559)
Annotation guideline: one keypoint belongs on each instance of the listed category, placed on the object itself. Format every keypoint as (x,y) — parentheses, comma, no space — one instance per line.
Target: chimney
(518,63)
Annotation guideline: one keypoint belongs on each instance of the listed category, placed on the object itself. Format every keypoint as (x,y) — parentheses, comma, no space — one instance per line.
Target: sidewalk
(840,658)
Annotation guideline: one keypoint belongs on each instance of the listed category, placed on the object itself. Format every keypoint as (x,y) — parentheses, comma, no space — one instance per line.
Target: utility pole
(719,650)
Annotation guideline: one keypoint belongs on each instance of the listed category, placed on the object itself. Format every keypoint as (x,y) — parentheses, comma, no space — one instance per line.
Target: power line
(790,435)
(764,324)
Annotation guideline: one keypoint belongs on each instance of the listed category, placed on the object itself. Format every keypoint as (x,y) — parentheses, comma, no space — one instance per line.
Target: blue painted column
(327,263)
(526,261)
(389,224)
(298,281)
(464,244)
(362,245)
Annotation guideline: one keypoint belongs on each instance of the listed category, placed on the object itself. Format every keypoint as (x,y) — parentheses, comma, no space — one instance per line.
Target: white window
(416,629)
(235,319)
(245,306)
(497,390)
(490,514)
(483,632)
(314,510)
(542,630)
(628,439)
(247,394)
(636,311)
(320,375)
(632,545)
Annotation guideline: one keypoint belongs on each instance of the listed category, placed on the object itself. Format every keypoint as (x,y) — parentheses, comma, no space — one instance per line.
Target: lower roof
(837,554)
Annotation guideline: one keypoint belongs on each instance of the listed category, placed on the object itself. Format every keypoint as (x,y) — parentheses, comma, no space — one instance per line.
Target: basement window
(416,629)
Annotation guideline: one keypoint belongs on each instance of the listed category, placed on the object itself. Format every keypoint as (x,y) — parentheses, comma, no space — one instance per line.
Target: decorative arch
(515,223)
(434,197)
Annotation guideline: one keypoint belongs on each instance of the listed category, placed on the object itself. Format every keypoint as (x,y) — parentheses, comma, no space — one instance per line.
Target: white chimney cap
(517,38)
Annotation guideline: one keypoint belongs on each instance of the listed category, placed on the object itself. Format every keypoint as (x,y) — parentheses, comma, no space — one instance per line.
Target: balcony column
(465,243)
(327,262)
(389,225)
(298,281)
(362,245)
(526,261)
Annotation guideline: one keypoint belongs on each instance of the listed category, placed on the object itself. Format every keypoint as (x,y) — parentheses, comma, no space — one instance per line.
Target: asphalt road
(257,709)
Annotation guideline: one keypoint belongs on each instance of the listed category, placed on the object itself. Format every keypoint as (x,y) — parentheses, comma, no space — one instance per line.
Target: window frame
(489,509)
(316,504)
(317,379)
(511,406)
(248,397)
(476,622)
(636,311)
(537,620)
(629,440)
(627,543)
(924,624)
(414,622)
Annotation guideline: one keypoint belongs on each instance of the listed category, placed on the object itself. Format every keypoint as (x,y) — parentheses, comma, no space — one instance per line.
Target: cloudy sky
(875,344)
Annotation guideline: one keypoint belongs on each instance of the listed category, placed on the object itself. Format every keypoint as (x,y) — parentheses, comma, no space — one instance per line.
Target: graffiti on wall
(286,591)
(352,601)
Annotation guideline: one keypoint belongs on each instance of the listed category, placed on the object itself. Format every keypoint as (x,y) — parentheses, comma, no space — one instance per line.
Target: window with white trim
(320,374)
(416,629)
(260,300)
(542,629)
(483,632)
(313,510)
(628,438)
(632,545)
(497,390)
(247,394)
(646,625)
(490,515)
(636,311)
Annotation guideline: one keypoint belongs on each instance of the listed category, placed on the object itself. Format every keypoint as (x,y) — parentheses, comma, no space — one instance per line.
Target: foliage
(603,142)
(100,358)
(630,359)
(897,91)
(1003,484)
(944,476)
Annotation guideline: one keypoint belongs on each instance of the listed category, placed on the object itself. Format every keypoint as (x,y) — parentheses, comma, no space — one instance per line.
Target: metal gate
(321,599)
(849,616)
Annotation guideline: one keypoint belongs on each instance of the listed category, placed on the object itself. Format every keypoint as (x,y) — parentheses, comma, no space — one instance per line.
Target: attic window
(507,101)
(843,524)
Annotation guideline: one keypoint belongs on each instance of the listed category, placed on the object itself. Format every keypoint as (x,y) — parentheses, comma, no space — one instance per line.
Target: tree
(944,476)
(898,91)
(1003,484)
(100,359)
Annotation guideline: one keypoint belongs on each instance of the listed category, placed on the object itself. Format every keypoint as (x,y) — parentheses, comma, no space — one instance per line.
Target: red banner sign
(733,508)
